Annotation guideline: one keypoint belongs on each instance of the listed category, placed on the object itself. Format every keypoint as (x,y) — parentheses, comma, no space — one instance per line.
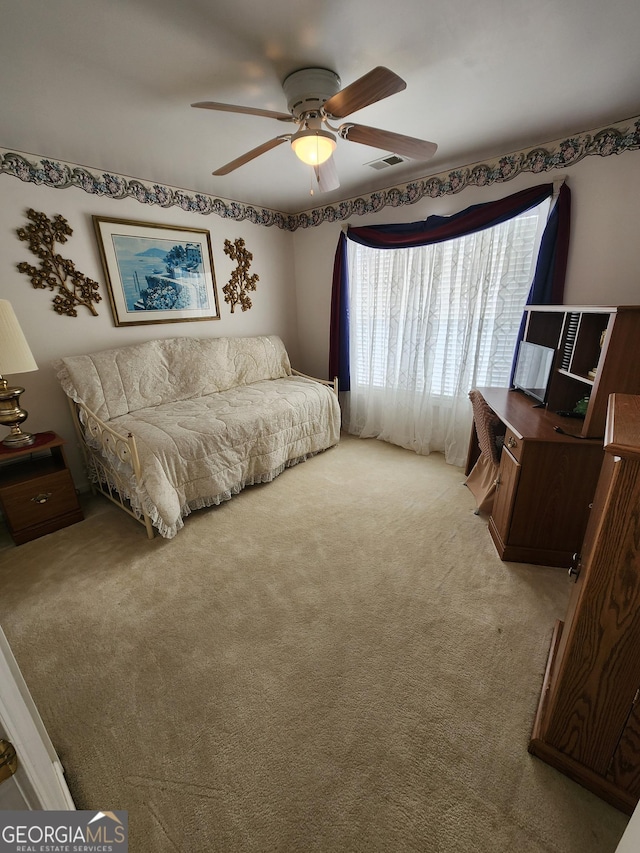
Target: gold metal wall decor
(54,271)
(235,292)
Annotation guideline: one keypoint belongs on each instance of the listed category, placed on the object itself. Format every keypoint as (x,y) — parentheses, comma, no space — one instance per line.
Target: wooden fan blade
(408,146)
(327,176)
(250,111)
(251,155)
(372,87)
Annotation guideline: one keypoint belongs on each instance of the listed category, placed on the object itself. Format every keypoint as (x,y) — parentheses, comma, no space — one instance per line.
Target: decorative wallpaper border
(622,136)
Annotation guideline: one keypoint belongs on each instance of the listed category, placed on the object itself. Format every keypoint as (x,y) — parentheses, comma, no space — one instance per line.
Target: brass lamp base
(17,438)
(12,415)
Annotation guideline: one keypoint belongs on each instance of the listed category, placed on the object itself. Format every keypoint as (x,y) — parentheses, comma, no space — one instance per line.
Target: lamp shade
(15,355)
(313,147)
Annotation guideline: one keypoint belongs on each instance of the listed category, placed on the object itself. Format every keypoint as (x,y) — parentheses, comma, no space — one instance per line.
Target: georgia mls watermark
(63,832)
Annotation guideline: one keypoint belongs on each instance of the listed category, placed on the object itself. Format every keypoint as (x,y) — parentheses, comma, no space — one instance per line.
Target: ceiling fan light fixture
(313,147)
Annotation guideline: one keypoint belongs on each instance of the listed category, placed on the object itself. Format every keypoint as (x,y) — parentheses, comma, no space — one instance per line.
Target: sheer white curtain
(427,324)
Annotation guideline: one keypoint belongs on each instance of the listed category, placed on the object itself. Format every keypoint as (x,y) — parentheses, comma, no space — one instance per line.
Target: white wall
(293,298)
(630,841)
(51,336)
(604,256)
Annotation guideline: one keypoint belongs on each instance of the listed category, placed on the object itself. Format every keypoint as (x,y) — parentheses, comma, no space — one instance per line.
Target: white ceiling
(108,83)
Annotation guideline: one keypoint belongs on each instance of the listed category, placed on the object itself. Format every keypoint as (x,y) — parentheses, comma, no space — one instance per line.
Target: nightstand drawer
(38,500)
(37,495)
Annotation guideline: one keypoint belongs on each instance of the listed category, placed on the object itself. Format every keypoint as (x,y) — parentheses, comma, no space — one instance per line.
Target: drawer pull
(511,442)
(42,498)
(576,566)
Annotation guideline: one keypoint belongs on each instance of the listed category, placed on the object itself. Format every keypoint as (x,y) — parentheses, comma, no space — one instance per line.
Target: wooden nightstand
(37,495)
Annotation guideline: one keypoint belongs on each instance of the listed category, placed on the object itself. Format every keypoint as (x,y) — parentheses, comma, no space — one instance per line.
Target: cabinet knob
(511,442)
(42,498)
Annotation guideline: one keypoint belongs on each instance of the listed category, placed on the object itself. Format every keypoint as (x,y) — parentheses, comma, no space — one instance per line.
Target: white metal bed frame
(97,438)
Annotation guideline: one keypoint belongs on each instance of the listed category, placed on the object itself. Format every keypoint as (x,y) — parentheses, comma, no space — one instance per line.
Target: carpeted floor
(334,661)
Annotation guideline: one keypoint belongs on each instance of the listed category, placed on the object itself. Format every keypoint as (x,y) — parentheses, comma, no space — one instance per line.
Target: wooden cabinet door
(583,561)
(506,489)
(556,485)
(599,671)
(624,770)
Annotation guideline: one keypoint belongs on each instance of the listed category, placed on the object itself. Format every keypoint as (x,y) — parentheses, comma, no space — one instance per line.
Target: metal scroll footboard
(333,384)
(99,443)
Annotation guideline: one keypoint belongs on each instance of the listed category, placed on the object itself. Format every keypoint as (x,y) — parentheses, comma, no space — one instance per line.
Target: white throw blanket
(225,413)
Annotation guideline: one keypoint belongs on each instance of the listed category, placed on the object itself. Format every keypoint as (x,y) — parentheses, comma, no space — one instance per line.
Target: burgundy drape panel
(437,229)
(339,329)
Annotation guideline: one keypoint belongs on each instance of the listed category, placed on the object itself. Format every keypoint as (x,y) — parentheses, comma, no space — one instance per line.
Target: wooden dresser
(588,720)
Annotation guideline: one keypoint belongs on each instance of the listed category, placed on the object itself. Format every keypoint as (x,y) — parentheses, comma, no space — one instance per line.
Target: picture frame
(157,273)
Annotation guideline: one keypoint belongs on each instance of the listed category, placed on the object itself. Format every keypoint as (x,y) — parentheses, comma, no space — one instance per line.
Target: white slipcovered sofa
(169,426)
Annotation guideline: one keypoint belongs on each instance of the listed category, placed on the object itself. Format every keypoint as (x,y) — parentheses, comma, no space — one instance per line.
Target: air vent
(385,162)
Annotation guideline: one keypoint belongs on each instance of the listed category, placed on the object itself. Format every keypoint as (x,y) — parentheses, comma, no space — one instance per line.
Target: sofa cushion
(117,381)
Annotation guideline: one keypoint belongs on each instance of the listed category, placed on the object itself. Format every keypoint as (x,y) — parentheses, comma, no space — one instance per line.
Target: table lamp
(15,357)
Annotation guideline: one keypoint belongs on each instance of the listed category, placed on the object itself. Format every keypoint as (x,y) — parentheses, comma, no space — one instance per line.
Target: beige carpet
(335,661)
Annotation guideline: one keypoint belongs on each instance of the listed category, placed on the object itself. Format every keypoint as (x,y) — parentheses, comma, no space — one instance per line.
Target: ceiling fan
(314,98)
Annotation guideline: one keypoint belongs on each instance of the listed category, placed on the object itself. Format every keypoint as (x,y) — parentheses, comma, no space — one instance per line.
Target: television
(533,368)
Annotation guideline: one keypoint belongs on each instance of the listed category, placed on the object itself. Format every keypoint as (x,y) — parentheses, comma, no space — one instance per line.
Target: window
(429,323)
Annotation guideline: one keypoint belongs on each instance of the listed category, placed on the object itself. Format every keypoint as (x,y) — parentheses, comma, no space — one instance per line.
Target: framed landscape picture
(157,273)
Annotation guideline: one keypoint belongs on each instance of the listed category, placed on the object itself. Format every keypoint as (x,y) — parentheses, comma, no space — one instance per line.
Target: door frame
(40,776)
